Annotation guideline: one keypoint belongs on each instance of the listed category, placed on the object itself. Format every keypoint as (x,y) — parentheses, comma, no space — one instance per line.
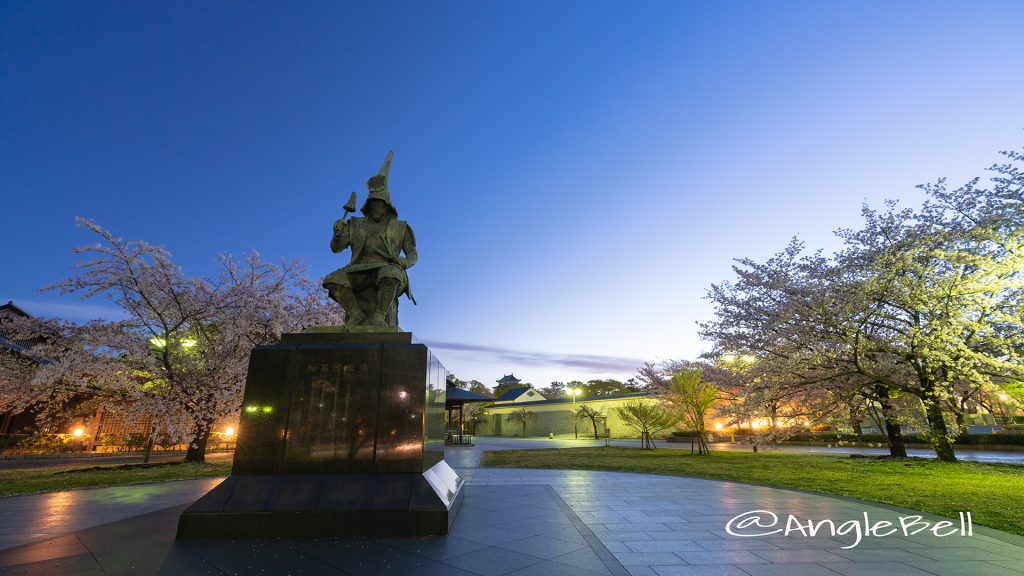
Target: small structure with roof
(455,399)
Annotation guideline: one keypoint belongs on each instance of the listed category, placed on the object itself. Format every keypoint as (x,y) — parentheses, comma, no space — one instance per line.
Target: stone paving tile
(880,555)
(736,544)
(436,569)
(958,554)
(59,547)
(631,527)
(877,569)
(492,561)
(77,565)
(543,547)
(664,546)
(547,568)
(435,547)
(648,558)
(789,569)
(703,570)
(721,557)
(277,557)
(784,556)
(696,535)
(586,559)
(963,568)
(1015,565)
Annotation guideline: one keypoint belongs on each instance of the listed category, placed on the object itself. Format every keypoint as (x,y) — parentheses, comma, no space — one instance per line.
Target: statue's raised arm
(383,247)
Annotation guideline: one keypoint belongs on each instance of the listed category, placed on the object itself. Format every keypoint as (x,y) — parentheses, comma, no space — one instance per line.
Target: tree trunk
(959,416)
(893,430)
(197,447)
(855,424)
(149,444)
(594,422)
(937,426)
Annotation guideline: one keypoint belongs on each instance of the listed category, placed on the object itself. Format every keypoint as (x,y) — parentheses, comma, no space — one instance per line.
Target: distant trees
(524,416)
(585,412)
(553,391)
(920,304)
(647,418)
(691,398)
(181,354)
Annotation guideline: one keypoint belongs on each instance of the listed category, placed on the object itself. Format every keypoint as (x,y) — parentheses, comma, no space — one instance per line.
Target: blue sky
(577,173)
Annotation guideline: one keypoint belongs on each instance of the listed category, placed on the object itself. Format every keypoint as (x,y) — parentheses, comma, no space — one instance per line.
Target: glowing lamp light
(755,425)
(728,358)
(78,432)
(268,409)
(229,431)
(188,342)
(403,394)
(718,425)
(779,425)
(158,342)
(1003,397)
(252,409)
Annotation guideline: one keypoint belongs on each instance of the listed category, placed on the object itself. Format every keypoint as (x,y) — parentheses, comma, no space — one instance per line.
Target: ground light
(78,432)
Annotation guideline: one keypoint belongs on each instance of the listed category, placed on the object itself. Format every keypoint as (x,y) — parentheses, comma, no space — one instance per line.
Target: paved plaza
(512,521)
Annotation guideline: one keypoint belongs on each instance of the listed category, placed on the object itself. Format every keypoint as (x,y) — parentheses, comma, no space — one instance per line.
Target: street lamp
(575,421)
(1003,398)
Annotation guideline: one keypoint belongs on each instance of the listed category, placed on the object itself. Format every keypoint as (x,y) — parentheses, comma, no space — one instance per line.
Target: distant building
(15,350)
(555,416)
(518,395)
(508,379)
(95,422)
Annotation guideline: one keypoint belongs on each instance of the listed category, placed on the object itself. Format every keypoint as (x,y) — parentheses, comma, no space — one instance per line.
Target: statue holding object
(369,286)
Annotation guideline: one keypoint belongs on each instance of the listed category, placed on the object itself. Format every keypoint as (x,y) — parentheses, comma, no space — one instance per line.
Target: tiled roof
(453,393)
(512,394)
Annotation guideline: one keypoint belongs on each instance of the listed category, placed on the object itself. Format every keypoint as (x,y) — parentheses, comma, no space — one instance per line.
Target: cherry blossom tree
(923,303)
(181,355)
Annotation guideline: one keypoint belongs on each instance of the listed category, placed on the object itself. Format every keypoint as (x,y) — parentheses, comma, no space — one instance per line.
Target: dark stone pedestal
(340,434)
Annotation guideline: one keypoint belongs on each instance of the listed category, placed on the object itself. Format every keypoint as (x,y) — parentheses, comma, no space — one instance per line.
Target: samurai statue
(383,248)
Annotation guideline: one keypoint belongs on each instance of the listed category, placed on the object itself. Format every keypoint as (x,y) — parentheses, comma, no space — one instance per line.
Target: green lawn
(31,481)
(992,493)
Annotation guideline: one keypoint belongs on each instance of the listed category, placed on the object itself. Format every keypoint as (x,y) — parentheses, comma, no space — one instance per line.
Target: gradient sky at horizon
(577,172)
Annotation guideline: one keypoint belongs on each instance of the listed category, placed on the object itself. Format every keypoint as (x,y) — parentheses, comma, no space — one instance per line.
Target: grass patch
(32,481)
(990,492)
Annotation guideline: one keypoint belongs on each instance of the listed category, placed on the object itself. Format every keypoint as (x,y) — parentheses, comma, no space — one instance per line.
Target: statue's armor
(375,246)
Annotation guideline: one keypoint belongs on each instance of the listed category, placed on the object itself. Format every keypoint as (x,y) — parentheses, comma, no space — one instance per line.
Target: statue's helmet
(378,187)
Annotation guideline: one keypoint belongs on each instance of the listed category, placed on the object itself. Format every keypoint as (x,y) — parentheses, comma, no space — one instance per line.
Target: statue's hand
(339,226)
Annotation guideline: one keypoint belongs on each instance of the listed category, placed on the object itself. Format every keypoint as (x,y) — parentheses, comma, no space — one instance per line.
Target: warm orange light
(718,425)
(755,425)
(779,424)
(229,431)
(78,432)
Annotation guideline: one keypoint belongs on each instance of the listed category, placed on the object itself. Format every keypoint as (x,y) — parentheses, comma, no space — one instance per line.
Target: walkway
(512,521)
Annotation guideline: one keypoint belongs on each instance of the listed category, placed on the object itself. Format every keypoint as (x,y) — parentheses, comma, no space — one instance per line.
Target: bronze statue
(369,286)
